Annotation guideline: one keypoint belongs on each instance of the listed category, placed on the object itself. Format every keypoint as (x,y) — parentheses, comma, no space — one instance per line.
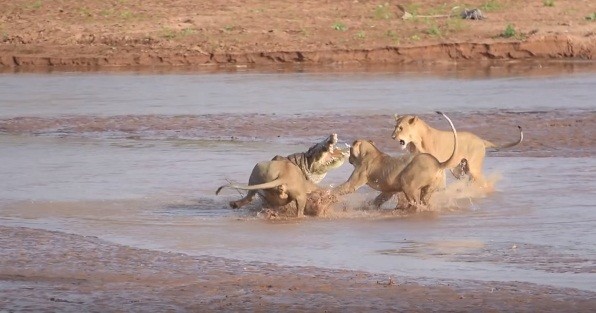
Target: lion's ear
(396,117)
(412,120)
(356,148)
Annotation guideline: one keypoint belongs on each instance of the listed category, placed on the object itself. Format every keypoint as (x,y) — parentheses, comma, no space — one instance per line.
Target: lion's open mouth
(403,144)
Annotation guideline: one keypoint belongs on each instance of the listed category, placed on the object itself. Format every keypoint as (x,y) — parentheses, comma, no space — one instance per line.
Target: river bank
(89,35)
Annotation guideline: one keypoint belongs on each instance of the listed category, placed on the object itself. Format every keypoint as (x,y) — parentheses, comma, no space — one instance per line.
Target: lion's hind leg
(425,193)
(402,202)
(475,172)
(412,195)
(300,205)
(244,201)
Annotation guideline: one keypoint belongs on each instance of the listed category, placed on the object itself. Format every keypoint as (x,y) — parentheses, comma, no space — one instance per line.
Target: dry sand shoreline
(52,271)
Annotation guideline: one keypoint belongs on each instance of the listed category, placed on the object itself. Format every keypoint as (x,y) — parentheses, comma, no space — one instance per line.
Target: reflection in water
(460,69)
(144,174)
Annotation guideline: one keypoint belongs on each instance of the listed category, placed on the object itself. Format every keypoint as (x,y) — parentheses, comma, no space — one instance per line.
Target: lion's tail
(452,161)
(489,144)
(272,184)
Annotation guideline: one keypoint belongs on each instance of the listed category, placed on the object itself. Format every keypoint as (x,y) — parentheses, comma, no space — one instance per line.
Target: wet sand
(546,133)
(52,271)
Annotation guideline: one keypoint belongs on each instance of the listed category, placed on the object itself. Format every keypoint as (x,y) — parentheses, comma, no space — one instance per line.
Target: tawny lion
(425,172)
(417,176)
(417,136)
(284,180)
(376,169)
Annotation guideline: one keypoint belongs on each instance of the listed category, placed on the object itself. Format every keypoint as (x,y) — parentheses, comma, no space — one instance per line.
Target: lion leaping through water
(416,175)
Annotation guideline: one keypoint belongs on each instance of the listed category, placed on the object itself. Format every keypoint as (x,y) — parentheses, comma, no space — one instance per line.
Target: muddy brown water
(134,158)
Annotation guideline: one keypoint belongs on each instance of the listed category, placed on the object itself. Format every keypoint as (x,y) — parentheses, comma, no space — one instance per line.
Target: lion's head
(360,149)
(406,131)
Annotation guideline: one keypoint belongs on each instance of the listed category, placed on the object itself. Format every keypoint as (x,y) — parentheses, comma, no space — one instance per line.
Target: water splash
(461,194)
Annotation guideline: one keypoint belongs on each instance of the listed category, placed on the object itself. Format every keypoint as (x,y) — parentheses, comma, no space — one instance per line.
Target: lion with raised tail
(416,175)
(420,178)
(376,169)
(417,136)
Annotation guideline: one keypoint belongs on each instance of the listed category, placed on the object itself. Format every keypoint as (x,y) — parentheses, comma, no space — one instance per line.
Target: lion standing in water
(418,137)
(284,180)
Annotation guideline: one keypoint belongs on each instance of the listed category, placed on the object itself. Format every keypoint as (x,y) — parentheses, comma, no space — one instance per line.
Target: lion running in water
(417,176)
(376,169)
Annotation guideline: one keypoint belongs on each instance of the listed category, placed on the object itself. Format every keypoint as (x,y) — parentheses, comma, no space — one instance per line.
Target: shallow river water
(135,158)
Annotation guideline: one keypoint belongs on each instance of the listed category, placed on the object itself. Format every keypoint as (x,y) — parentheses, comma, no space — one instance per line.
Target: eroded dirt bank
(547,47)
(89,34)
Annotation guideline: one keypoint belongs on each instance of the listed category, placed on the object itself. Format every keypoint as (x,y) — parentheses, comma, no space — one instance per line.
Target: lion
(421,177)
(284,180)
(376,169)
(416,175)
(417,136)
